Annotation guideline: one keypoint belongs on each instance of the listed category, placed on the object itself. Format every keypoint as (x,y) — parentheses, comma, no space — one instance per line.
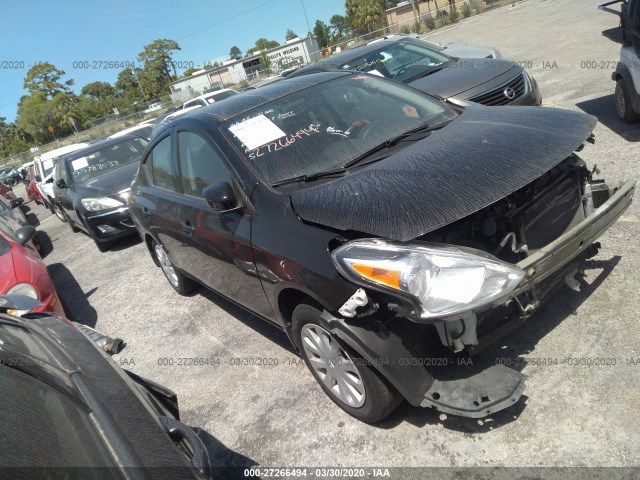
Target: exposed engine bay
(533,216)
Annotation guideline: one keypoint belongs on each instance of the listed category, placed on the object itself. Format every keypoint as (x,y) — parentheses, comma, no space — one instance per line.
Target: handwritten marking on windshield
(285,142)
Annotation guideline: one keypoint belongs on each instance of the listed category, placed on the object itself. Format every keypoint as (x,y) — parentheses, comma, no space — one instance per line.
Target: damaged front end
(500,262)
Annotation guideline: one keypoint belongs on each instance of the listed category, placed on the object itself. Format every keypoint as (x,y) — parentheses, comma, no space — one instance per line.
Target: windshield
(106,159)
(326,126)
(402,61)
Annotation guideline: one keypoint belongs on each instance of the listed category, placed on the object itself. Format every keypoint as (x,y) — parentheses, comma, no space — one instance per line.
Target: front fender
(386,349)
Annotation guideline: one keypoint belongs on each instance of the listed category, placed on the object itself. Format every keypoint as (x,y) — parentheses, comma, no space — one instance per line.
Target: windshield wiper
(425,129)
(310,177)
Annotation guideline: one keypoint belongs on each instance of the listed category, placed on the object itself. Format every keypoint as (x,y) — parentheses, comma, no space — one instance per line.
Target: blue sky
(65,31)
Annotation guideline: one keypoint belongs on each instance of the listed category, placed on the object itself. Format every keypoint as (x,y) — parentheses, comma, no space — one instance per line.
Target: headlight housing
(103,203)
(444,280)
(24,289)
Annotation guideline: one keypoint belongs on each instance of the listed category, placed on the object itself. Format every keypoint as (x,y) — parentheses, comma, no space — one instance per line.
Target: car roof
(58,152)
(100,144)
(250,99)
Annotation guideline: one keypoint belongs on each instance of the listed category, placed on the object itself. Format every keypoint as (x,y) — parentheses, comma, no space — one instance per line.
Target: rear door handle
(188,228)
(145,212)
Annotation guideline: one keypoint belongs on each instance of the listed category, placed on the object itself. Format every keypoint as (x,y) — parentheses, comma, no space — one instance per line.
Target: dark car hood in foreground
(463,75)
(109,183)
(481,157)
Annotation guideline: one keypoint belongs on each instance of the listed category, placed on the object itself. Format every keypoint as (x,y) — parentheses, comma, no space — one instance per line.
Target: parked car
(23,271)
(44,174)
(6,192)
(74,410)
(209,98)
(460,81)
(378,227)
(460,50)
(10,176)
(33,194)
(172,116)
(141,130)
(627,74)
(92,187)
(154,107)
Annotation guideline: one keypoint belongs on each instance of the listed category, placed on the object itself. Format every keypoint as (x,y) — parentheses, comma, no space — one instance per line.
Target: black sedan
(386,234)
(71,412)
(10,176)
(460,81)
(92,186)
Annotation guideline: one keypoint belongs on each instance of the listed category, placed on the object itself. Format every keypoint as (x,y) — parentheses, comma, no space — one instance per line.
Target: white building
(294,52)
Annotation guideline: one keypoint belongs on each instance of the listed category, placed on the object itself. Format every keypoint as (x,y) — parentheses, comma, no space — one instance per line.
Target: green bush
(454,16)
(430,23)
(466,10)
(417,28)
(405,30)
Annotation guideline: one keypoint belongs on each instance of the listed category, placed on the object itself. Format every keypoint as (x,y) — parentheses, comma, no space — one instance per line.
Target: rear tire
(347,379)
(178,280)
(624,108)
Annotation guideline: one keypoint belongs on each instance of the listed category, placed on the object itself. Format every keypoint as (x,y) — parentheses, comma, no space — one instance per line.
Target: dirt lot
(571,415)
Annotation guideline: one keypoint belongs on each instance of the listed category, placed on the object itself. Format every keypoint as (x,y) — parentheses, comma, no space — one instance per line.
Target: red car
(32,190)
(21,268)
(6,192)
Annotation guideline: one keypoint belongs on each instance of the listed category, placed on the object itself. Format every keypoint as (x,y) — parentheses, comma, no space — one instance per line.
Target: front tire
(179,281)
(57,209)
(348,380)
(624,108)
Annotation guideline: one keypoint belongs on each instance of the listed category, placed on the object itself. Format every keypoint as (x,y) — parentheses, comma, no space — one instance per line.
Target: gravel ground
(582,415)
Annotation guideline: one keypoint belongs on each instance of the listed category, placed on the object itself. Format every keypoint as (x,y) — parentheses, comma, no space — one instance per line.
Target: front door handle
(188,228)
(145,212)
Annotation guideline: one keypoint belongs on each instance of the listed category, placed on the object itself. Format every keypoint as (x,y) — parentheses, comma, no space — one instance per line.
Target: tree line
(52,110)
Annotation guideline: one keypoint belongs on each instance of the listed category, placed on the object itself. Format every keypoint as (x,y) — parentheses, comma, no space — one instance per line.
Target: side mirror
(38,178)
(24,234)
(220,196)
(10,182)
(60,183)
(50,180)
(16,202)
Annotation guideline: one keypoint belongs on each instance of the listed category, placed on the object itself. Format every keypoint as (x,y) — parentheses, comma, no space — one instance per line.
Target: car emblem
(510,93)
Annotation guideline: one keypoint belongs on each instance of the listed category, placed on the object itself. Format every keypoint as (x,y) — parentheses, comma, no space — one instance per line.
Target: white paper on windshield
(48,164)
(79,163)
(256,131)
(375,72)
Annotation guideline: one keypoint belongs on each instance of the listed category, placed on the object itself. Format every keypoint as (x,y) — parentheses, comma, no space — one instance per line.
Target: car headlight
(103,203)
(24,289)
(445,280)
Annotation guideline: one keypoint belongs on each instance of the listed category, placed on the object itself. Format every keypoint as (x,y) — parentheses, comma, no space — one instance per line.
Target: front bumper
(553,257)
(110,225)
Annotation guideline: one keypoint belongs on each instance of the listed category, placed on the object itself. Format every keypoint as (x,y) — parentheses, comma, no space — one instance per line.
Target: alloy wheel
(166,265)
(333,365)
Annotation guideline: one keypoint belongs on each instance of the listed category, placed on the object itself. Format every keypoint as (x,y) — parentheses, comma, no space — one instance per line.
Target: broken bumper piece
(474,392)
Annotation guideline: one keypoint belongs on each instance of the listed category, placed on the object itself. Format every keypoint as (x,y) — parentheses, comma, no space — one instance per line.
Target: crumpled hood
(463,75)
(481,157)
